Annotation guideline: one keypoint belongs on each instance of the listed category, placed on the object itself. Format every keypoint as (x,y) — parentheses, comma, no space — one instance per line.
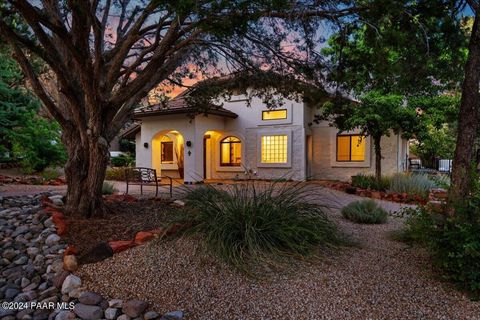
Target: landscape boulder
(87,312)
(134,308)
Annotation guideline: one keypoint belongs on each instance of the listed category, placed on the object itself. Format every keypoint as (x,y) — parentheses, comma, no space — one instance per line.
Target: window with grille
(274,149)
(231,152)
(350,148)
(274,114)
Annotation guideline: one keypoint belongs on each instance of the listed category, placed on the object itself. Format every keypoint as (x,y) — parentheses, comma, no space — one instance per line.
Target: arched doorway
(168,153)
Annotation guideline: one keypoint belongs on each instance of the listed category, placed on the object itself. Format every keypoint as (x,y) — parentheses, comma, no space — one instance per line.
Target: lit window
(166,146)
(274,149)
(350,148)
(231,152)
(274,114)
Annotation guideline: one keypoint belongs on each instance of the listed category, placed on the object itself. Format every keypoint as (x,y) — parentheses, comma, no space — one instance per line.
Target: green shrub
(454,242)
(37,144)
(122,161)
(115,173)
(365,211)
(366,181)
(108,188)
(411,184)
(251,226)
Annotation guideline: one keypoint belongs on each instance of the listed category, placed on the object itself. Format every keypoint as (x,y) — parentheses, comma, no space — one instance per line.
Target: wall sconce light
(145,145)
(188,143)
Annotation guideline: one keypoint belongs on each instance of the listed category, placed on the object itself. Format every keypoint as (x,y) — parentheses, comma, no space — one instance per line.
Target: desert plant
(365,211)
(252,225)
(411,184)
(108,188)
(366,181)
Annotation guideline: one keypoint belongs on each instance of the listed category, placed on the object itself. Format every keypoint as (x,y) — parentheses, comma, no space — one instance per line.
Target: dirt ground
(123,222)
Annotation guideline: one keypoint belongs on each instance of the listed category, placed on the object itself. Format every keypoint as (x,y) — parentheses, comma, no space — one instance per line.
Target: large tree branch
(117,119)
(116,56)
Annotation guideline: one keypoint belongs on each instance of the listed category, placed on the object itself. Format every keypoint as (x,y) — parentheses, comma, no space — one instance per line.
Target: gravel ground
(380,279)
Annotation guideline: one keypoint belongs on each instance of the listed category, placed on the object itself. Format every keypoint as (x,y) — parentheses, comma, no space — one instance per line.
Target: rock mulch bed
(128,216)
(33,274)
(379,279)
(435,194)
(31,180)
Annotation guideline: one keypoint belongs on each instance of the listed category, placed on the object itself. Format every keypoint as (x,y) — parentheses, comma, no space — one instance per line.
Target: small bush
(411,184)
(250,226)
(454,242)
(108,188)
(365,211)
(116,173)
(441,180)
(122,161)
(366,181)
(50,174)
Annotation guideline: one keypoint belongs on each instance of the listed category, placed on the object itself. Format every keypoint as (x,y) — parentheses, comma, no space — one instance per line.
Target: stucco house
(236,139)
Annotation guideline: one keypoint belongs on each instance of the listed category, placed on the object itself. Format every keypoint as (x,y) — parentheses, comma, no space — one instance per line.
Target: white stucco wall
(318,163)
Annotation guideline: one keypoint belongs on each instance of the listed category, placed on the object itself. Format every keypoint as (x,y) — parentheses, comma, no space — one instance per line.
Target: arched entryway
(168,153)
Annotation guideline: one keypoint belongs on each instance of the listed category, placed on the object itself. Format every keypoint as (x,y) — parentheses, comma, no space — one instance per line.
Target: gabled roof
(179,106)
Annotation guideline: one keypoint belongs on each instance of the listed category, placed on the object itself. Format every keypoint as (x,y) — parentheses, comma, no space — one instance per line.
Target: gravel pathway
(380,279)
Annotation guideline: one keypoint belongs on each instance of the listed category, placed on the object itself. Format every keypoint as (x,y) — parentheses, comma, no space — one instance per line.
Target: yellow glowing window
(274,149)
(231,152)
(274,114)
(350,148)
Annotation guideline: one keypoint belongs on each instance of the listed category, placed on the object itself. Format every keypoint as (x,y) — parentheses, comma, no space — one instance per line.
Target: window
(231,152)
(274,149)
(166,146)
(274,114)
(350,148)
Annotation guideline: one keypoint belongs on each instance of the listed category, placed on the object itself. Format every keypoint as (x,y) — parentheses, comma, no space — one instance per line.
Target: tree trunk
(85,173)
(467,120)
(378,157)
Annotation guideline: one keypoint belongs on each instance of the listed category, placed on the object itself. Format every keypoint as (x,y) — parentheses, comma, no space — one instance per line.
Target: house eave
(143,114)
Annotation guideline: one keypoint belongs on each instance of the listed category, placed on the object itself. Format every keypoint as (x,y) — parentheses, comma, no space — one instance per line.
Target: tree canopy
(402,47)
(376,115)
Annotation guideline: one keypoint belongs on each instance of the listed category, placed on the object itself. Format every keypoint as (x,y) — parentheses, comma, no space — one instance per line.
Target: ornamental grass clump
(412,184)
(108,188)
(365,211)
(368,181)
(251,225)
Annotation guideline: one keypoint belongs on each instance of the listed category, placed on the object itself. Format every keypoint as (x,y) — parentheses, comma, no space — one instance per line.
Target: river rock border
(34,273)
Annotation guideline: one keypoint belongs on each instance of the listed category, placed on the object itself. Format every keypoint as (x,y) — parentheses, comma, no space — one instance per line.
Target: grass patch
(254,226)
(365,211)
